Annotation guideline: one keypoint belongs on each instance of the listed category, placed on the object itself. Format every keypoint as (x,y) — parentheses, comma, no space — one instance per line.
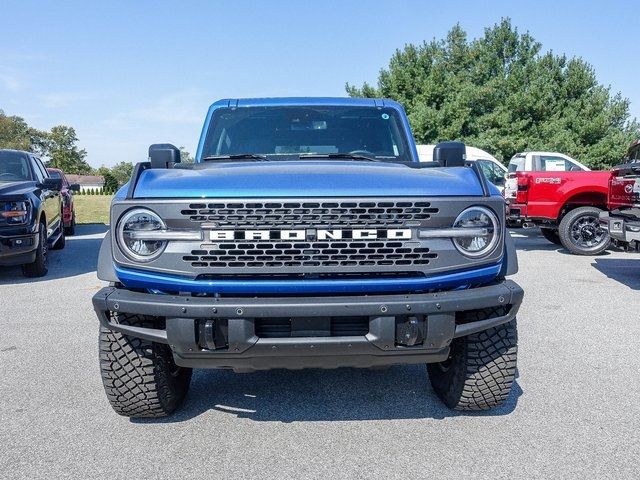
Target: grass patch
(92,208)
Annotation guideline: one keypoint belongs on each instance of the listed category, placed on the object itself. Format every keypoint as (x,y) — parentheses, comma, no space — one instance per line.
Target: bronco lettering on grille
(310,234)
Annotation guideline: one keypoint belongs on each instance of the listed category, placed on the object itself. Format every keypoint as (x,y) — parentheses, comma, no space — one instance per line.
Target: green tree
(122,172)
(16,134)
(185,156)
(64,153)
(110,182)
(500,93)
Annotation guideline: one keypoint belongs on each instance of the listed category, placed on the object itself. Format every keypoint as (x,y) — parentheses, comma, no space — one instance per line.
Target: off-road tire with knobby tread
(564,231)
(480,369)
(552,235)
(140,377)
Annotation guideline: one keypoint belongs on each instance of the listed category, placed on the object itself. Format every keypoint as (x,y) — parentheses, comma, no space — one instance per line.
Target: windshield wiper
(351,156)
(237,156)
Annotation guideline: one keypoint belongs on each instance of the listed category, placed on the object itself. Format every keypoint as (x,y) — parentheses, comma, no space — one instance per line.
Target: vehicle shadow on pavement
(79,256)
(400,392)
(623,270)
(528,239)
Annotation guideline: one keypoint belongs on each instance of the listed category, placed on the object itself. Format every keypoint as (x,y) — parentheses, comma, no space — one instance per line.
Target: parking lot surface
(573,413)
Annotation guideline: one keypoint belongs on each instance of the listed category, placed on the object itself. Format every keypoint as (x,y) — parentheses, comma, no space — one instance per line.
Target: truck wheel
(581,234)
(140,377)
(479,371)
(39,267)
(551,235)
(71,229)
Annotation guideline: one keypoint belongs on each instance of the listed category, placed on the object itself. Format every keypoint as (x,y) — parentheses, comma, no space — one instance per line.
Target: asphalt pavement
(574,411)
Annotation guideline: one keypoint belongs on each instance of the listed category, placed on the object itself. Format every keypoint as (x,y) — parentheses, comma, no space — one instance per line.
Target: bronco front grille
(336,214)
(310,254)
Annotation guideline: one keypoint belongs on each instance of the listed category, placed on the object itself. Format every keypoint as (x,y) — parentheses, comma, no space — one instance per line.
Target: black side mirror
(74,187)
(163,155)
(450,154)
(51,184)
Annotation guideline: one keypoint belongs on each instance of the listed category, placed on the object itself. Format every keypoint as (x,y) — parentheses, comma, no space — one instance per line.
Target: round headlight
(484,232)
(132,228)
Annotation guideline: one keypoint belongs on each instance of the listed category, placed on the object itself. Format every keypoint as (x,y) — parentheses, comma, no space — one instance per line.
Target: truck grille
(260,254)
(283,215)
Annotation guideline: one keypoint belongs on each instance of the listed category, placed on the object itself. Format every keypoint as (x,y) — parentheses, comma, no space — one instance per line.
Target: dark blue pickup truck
(306,235)
(30,212)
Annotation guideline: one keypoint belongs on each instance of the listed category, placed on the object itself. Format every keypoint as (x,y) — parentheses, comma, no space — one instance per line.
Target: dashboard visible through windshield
(285,132)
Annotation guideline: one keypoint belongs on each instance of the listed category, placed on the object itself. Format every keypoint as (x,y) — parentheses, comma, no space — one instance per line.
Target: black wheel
(71,229)
(140,377)
(62,241)
(581,234)
(479,371)
(551,234)
(40,266)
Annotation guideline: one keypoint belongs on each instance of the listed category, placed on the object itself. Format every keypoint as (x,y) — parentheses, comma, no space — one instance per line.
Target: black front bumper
(444,316)
(17,249)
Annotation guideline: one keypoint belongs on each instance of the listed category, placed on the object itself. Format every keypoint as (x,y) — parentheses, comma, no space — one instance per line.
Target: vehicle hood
(15,189)
(307,178)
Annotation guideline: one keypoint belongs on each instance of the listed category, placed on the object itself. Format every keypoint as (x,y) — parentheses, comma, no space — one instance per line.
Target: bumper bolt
(215,310)
(438,306)
(408,307)
(116,306)
(501,299)
(184,310)
(238,311)
(384,309)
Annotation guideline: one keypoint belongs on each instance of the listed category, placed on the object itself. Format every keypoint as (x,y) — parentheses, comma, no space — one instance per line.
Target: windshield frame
(399,137)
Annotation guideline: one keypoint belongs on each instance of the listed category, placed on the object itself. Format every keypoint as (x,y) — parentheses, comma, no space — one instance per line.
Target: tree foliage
(63,152)
(185,156)
(17,135)
(500,93)
(122,172)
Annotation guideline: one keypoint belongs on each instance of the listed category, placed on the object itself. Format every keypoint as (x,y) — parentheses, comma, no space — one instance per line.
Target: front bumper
(18,249)
(443,316)
(621,228)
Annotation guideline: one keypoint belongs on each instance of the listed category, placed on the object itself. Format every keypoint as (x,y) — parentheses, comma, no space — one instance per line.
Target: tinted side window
(516,165)
(491,171)
(37,169)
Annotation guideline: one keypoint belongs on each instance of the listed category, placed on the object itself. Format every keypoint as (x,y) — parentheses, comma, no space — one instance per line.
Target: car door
(50,198)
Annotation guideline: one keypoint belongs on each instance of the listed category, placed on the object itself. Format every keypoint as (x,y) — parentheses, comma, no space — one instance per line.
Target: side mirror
(163,155)
(74,187)
(51,184)
(450,154)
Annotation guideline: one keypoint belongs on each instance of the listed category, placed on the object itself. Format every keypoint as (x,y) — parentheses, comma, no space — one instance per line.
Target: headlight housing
(136,223)
(488,235)
(14,213)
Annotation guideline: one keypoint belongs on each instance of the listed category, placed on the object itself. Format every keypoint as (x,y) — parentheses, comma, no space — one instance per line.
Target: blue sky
(127,74)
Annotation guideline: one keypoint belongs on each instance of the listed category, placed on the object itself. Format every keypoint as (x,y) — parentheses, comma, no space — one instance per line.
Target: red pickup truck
(623,219)
(565,205)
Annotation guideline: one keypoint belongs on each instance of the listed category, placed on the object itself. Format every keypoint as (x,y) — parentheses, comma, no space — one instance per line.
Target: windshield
(13,167)
(292,131)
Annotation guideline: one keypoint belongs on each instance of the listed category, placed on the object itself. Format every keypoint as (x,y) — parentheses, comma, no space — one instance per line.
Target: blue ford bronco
(306,235)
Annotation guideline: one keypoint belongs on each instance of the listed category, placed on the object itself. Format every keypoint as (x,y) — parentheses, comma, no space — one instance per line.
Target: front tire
(71,229)
(581,234)
(140,377)
(479,371)
(40,266)
(551,235)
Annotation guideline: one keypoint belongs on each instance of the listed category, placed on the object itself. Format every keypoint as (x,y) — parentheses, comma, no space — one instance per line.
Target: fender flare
(106,271)
(510,259)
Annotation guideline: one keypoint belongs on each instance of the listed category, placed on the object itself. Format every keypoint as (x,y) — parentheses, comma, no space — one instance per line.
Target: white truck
(492,168)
